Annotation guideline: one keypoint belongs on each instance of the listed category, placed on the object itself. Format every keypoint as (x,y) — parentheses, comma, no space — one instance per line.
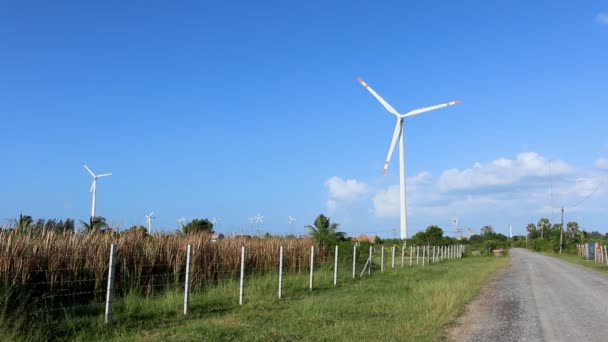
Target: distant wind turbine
(291,219)
(94,188)
(251,220)
(181,222)
(398,135)
(149,218)
(259,219)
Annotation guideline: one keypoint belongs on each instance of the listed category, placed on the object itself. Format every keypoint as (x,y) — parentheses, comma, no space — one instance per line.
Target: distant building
(363,237)
(216,237)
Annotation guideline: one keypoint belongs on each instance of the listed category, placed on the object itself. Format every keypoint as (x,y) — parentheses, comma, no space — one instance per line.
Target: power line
(584,199)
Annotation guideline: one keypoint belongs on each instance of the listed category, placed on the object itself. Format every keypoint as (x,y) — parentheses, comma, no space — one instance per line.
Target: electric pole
(561,232)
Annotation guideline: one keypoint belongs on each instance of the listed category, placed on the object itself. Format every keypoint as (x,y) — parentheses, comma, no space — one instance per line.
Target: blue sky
(231,109)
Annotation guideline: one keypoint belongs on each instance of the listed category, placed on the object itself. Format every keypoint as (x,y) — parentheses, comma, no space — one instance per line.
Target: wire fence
(198,277)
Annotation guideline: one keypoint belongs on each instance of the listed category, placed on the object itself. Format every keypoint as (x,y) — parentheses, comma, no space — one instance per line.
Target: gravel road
(538,298)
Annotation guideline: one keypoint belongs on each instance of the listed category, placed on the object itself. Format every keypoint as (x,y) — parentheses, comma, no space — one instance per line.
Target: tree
(198,225)
(24,222)
(96,224)
(137,229)
(573,229)
(433,235)
(543,224)
(325,232)
(487,230)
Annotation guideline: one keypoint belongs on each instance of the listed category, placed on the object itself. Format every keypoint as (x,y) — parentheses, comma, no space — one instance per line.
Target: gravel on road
(538,298)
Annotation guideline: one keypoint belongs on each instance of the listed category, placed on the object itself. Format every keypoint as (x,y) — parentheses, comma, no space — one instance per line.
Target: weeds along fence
(54,277)
(593,250)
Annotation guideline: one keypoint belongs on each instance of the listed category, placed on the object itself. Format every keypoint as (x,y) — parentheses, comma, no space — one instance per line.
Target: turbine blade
(104,175)
(398,131)
(91,172)
(379,98)
(428,109)
(92,186)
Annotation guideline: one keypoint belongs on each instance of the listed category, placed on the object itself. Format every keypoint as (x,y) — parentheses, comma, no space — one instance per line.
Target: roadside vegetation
(53,284)
(406,304)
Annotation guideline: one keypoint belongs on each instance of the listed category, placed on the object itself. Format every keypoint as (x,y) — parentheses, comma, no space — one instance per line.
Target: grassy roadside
(603,268)
(407,305)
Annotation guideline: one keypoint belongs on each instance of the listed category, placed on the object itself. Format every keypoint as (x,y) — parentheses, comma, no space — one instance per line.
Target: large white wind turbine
(94,187)
(398,134)
(149,218)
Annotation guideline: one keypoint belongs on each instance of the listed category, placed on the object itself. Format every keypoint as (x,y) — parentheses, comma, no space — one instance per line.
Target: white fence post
(336,267)
(382,259)
(434,254)
(354,261)
(411,255)
(393,264)
(187,282)
(110,291)
(312,265)
(371,251)
(242,286)
(417,254)
(280,272)
(423,255)
(403,256)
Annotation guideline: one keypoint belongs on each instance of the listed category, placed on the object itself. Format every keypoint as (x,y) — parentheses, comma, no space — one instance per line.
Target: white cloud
(344,191)
(602,164)
(602,18)
(498,192)
(502,173)
(386,201)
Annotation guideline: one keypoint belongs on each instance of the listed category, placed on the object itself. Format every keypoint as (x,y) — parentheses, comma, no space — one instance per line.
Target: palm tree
(96,224)
(325,232)
(24,223)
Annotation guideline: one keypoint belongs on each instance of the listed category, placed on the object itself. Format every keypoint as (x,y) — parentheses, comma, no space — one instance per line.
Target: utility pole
(561,232)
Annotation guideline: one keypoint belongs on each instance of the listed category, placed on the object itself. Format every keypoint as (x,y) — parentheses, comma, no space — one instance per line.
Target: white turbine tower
(398,135)
(149,218)
(94,188)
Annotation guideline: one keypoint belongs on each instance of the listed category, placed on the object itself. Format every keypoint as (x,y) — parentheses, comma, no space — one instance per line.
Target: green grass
(402,304)
(603,268)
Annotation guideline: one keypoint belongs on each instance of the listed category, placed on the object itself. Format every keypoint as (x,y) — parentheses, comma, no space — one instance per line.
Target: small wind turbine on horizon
(149,218)
(94,188)
(181,222)
(259,219)
(398,135)
(291,220)
(251,220)
(216,220)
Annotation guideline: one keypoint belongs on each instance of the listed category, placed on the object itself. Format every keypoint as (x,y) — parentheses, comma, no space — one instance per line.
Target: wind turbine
(181,222)
(216,220)
(94,188)
(259,219)
(398,135)
(251,219)
(291,220)
(149,218)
